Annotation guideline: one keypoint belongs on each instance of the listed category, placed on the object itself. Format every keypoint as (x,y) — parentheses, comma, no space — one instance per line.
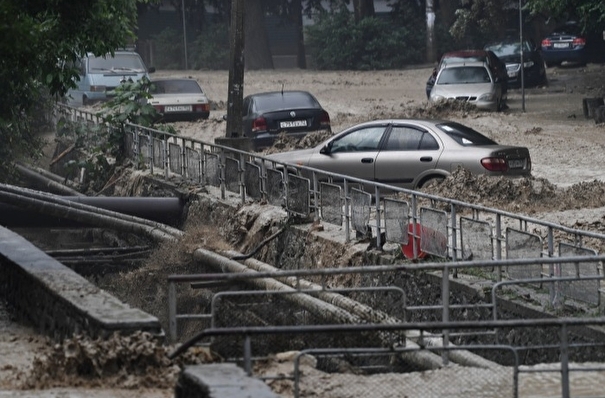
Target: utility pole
(235,97)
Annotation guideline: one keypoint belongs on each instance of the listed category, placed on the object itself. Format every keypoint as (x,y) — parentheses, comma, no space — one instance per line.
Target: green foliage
(337,42)
(169,49)
(210,50)
(38,38)
(589,13)
(104,143)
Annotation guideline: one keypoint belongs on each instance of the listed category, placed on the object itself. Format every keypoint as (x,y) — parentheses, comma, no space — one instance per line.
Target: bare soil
(567,187)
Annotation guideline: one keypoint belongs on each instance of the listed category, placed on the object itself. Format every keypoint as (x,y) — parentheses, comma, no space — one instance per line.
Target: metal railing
(567,350)
(507,250)
(423,223)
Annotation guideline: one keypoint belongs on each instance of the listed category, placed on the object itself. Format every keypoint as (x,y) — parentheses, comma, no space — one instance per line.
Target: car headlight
(512,67)
(528,64)
(487,97)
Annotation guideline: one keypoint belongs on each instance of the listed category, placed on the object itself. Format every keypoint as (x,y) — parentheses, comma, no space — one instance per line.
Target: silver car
(472,82)
(409,153)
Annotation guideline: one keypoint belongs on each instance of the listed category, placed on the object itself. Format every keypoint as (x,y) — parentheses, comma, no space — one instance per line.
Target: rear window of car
(463,75)
(570,29)
(120,62)
(286,100)
(175,87)
(465,135)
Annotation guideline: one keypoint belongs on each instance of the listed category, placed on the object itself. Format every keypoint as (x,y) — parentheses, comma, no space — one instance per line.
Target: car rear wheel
(431,182)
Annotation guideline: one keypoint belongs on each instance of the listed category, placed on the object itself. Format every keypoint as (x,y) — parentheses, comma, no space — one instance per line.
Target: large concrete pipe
(165,210)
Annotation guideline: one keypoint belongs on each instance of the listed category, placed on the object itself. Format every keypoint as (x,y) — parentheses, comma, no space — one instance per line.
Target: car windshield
(506,49)
(465,135)
(464,75)
(287,100)
(175,87)
(120,62)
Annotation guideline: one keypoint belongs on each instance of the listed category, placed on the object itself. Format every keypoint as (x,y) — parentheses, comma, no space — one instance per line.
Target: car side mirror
(225,117)
(151,70)
(327,149)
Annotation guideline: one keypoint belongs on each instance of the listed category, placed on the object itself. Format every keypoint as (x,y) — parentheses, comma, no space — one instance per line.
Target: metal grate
(275,187)
(174,153)
(232,182)
(252,180)
(360,211)
(520,244)
(194,164)
(331,203)
(433,232)
(396,221)
(298,195)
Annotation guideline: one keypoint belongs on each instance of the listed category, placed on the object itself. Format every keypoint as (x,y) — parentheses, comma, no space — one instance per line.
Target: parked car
(509,51)
(409,153)
(296,113)
(471,82)
(98,76)
(566,43)
(179,99)
(496,65)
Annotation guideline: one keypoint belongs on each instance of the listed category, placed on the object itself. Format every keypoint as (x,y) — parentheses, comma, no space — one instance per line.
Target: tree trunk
(301,59)
(431,52)
(363,9)
(257,52)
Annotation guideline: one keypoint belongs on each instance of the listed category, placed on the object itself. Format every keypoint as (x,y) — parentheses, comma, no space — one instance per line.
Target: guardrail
(425,224)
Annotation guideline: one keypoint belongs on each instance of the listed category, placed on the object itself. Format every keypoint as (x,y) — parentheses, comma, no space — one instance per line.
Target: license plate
(512,74)
(515,164)
(293,123)
(560,45)
(178,108)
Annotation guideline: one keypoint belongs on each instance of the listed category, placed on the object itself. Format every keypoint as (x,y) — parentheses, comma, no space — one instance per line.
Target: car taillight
(324,120)
(201,108)
(546,43)
(579,41)
(259,124)
(494,164)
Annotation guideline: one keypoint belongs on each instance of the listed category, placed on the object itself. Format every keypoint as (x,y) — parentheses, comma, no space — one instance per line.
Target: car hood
(299,157)
(516,58)
(460,90)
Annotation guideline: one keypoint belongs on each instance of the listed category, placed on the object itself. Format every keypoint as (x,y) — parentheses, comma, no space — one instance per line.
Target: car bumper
(266,139)
(531,77)
(559,56)
(175,116)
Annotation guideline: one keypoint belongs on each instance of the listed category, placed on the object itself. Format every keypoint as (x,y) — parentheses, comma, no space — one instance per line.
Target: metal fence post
(172,311)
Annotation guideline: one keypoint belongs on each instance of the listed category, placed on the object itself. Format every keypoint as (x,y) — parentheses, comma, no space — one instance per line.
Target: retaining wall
(57,301)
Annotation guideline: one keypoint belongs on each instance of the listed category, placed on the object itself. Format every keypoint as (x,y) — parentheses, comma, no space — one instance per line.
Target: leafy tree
(589,13)
(39,39)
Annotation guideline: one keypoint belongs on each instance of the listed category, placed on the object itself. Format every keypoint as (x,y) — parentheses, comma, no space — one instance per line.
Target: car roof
(172,79)
(465,63)
(465,53)
(275,93)
(404,120)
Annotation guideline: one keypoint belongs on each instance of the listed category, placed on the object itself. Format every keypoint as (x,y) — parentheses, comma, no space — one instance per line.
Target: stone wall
(57,301)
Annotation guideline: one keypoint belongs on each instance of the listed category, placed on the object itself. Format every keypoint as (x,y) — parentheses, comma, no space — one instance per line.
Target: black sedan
(509,51)
(296,113)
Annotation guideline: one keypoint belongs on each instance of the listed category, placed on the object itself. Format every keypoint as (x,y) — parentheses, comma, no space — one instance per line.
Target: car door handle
(426,159)
(367,160)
